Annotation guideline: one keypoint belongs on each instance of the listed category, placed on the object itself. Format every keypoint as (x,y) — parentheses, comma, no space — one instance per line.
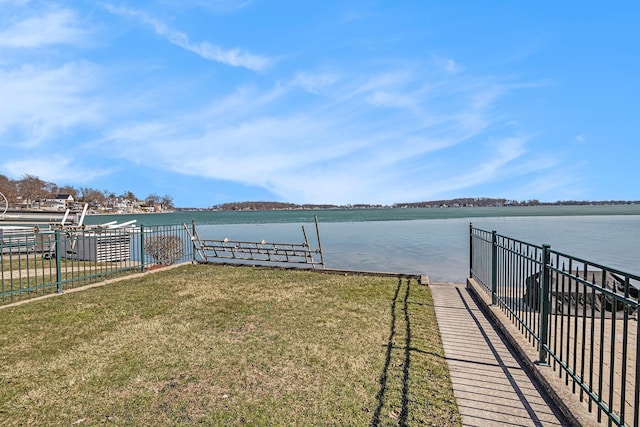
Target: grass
(36,261)
(216,345)
(26,276)
(17,262)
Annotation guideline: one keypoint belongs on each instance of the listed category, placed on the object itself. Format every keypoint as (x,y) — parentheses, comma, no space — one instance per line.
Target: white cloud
(563,181)
(500,160)
(46,101)
(315,83)
(218,6)
(354,146)
(234,57)
(390,99)
(452,66)
(580,139)
(448,65)
(389,133)
(16,2)
(388,81)
(42,98)
(53,27)
(59,169)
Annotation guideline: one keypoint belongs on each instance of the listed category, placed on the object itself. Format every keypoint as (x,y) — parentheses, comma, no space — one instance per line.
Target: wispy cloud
(234,57)
(49,28)
(46,101)
(376,131)
(217,6)
(564,182)
(44,97)
(315,82)
(448,65)
(58,168)
(349,143)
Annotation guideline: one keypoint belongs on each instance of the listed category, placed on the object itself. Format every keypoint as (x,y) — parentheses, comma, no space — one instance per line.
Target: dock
(490,383)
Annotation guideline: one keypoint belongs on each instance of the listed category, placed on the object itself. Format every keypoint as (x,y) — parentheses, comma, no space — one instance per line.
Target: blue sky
(327,101)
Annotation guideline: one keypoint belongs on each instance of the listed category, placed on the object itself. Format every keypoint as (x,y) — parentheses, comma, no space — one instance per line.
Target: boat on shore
(39,218)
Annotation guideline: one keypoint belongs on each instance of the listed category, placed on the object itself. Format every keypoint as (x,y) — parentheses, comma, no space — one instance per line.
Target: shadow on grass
(405,321)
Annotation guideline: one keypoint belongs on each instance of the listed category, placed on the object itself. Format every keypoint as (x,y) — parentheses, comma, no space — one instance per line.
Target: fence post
(494,268)
(193,242)
(58,262)
(470,250)
(142,248)
(544,305)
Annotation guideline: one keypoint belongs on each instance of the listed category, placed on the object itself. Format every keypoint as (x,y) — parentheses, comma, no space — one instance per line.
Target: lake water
(425,241)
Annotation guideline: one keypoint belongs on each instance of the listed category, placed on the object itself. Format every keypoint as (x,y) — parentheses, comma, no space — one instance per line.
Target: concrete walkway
(489,383)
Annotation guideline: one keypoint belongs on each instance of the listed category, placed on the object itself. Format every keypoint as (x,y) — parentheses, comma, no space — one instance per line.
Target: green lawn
(216,345)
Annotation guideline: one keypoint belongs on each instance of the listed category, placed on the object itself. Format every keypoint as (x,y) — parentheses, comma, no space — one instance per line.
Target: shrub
(164,248)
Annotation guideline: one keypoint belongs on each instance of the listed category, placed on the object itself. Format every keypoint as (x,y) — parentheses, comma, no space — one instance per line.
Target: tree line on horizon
(30,189)
(457,202)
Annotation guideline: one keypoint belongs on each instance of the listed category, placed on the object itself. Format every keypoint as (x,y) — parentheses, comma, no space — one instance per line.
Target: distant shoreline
(452,203)
(278,206)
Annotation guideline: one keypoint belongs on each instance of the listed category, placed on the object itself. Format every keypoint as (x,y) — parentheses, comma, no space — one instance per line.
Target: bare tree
(51,188)
(9,188)
(129,196)
(67,189)
(167,202)
(92,196)
(32,189)
(152,200)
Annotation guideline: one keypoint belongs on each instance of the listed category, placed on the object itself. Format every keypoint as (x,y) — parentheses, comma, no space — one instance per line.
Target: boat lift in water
(211,250)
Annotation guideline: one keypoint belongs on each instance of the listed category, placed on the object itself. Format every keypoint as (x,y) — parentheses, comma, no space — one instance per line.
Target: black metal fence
(35,263)
(581,316)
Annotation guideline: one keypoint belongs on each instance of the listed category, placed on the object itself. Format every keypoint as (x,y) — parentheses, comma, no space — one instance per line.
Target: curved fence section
(581,316)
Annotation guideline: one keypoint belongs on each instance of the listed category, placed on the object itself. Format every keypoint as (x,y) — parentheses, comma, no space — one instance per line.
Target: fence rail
(581,316)
(34,263)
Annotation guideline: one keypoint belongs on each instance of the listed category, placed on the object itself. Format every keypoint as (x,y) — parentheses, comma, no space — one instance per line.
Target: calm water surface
(426,241)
